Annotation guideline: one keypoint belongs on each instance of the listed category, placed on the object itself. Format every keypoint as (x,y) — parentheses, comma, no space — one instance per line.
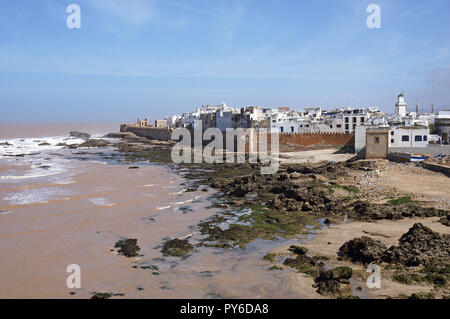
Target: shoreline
(250,213)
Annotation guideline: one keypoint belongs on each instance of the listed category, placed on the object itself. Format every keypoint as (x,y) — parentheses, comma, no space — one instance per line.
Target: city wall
(313,139)
(296,139)
(153,133)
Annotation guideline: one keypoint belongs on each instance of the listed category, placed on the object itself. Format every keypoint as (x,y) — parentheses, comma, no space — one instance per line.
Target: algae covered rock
(128,247)
(177,247)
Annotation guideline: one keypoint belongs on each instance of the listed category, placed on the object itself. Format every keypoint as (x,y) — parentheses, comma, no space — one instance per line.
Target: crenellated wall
(298,139)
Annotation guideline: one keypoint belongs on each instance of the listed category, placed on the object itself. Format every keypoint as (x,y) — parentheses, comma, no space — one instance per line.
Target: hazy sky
(151,58)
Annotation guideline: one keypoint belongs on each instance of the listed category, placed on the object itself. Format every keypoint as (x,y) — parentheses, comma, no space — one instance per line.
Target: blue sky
(151,58)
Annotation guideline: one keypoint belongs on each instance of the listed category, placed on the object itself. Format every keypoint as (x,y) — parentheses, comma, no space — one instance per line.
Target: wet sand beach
(58,208)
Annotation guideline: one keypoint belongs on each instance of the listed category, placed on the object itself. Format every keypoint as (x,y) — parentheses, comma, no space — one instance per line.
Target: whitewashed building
(415,136)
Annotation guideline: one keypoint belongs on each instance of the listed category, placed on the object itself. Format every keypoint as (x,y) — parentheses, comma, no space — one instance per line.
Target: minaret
(417,107)
(400,106)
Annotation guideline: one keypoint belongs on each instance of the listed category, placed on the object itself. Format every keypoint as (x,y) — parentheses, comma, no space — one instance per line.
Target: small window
(282,129)
(425,138)
(292,129)
(418,138)
(392,141)
(346,120)
(331,126)
(392,133)
(339,126)
(362,119)
(307,125)
(377,140)
(405,138)
(346,127)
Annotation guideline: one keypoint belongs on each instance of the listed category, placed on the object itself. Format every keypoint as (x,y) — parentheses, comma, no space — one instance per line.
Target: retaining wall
(429,150)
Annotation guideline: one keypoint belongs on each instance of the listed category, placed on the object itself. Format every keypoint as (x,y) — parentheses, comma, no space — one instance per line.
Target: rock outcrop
(82,135)
(419,246)
(363,250)
(128,247)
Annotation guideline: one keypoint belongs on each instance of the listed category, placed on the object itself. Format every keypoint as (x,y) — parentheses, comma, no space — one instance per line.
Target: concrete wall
(437,168)
(360,139)
(377,143)
(429,150)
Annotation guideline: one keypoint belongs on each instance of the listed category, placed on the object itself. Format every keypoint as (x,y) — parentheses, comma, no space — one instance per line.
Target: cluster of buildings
(405,129)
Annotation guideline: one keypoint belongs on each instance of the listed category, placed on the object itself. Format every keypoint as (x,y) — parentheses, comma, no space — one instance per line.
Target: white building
(416,136)
(400,106)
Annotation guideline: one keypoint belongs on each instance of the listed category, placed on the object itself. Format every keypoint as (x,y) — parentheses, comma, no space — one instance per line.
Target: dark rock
(128,247)
(445,220)
(328,282)
(363,250)
(329,287)
(419,246)
(94,143)
(77,134)
(298,250)
(105,295)
(177,247)
(101,295)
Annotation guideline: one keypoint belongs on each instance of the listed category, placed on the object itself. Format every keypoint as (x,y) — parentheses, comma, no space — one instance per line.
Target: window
(425,138)
(418,138)
(354,119)
(331,126)
(292,129)
(339,126)
(346,127)
(392,141)
(346,120)
(392,133)
(377,140)
(405,138)
(307,125)
(354,126)
(362,120)
(282,129)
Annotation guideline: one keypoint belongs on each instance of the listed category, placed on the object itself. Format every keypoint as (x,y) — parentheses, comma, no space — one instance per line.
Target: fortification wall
(298,139)
(311,139)
(153,133)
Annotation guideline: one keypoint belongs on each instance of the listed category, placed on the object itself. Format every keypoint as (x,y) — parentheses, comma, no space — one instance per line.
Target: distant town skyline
(153,58)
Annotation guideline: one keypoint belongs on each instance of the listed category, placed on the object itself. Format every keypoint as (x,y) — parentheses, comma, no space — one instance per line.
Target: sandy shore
(328,241)
(82,220)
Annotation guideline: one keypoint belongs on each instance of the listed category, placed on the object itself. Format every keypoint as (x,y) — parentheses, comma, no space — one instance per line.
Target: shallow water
(60,206)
